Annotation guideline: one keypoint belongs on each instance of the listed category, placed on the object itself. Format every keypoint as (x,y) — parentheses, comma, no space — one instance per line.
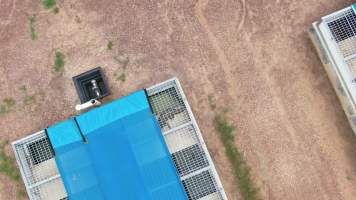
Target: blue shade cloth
(64,133)
(109,113)
(354,7)
(125,156)
(74,161)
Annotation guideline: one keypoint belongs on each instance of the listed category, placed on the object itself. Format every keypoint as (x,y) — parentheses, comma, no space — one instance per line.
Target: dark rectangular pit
(83,85)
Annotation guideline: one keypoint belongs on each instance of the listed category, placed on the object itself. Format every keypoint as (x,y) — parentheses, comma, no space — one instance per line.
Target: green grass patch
(7,105)
(121,77)
(241,170)
(9,169)
(23,88)
(21,193)
(30,99)
(109,45)
(48,4)
(9,102)
(56,10)
(33,27)
(58,62)
(8,164)
(211,102)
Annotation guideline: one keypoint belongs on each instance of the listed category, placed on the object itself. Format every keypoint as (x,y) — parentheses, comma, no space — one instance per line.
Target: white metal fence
(342,26)
(185,142)
(334,36)
(38,168)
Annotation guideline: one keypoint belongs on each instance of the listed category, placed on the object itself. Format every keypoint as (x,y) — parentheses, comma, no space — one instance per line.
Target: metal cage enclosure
(38,168)
(334,37)
(185,142)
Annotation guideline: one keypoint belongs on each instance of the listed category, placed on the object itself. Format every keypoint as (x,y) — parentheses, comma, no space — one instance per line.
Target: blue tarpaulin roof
(124,156)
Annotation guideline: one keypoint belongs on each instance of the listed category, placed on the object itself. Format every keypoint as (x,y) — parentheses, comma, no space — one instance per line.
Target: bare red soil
(253,57)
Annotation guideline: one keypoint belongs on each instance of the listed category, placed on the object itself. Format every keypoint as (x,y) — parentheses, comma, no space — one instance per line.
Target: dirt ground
(253,57)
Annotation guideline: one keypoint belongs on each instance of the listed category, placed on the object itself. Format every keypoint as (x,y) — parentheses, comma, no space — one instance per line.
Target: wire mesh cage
(185,142)
(35,157)
(169,108)
(334,37)
(186,151)
(201,186)
(52,189)
(343,29)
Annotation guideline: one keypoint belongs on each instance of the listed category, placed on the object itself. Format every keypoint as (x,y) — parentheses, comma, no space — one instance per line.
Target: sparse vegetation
(211,102)
(48,4)
(41,94)
(7,164)
(58,62)
(21,193)
(123,61)
(121,77)
(7,105)
(9,169)
(241,170)
(32,27)
(109,45)
(56,10)
(23,88)
(77,19)
(28,100)
(349,178)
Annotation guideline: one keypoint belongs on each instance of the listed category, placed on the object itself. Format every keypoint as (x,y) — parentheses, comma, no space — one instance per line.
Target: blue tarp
(125,156)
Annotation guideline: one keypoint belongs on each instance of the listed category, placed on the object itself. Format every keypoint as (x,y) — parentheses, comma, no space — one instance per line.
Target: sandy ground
(254,57)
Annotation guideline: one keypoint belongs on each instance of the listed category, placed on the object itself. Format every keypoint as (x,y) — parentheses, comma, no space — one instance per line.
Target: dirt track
(254,57)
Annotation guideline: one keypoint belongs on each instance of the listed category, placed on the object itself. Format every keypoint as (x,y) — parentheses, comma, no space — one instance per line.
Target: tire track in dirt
(225,65)
(281,112)
(167,20)
(7,21)
(243,15)
(292,131)
(320,174)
